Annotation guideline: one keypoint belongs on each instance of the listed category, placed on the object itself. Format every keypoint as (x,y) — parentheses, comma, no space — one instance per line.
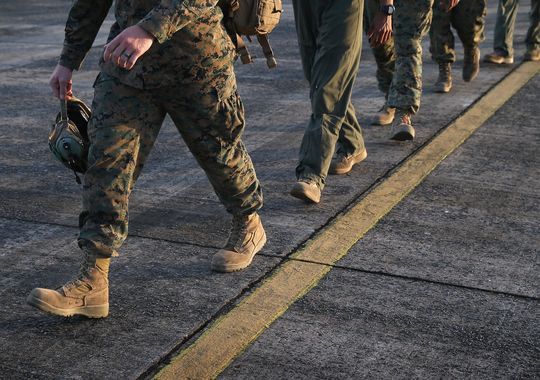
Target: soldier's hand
(126,48)
(381,30)
(61,82)
(448,5)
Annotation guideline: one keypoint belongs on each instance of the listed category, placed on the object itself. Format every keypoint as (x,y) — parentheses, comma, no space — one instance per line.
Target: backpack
(251,18)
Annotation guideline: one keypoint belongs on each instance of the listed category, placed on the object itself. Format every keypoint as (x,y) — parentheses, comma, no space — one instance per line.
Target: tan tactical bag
(252,18)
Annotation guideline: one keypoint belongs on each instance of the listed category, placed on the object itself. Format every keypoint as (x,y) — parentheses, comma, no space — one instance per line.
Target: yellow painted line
(231,334)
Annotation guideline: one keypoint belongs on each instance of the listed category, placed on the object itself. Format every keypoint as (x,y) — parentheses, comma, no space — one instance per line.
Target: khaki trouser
(124,125)
(329,35)
(506,21)
(468,20)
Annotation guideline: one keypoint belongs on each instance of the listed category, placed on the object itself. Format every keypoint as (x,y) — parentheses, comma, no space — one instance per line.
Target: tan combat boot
(444,81)
(532,55)
(385,115)
(498,58)
(402,129)
(307,191)
(247,237)
(342,163)
(471,63)
(86,295)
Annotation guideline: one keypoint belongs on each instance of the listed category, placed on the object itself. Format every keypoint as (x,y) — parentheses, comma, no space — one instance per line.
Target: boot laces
(444,70)
(82,278)
(238,231)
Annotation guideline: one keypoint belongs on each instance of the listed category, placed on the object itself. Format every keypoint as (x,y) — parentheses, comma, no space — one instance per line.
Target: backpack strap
(267,50)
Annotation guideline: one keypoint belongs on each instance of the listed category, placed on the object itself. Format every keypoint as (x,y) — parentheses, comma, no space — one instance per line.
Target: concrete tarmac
(446,285)
(163,294)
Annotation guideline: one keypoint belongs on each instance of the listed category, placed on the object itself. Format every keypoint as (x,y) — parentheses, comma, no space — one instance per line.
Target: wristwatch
(387,9)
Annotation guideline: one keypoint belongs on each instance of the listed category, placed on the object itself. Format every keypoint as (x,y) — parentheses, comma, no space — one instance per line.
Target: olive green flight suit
(467,17)
(330,40)
(187,74)
(503,41)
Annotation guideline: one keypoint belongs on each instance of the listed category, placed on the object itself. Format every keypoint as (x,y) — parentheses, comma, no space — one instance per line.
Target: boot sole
(406,133)
(298,192)
(381,121)
(504,61)
(237,267)
(402,136)
(361,157)
(98,311)
(443,90)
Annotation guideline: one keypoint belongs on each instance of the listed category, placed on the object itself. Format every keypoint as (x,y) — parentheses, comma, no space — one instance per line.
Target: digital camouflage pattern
(188,74)
(505,23)
(412,20)
(124,125)
(468,20)
(191,45)
(330,40)
(385,56)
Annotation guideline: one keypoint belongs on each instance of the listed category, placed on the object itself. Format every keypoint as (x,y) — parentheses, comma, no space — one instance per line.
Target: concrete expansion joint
(300,271)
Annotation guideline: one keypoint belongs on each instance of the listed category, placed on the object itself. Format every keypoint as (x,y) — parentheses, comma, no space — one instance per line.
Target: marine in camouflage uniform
(385,58)
(412,20)
(467,18)
(329,37)
(384,54)
(188,74)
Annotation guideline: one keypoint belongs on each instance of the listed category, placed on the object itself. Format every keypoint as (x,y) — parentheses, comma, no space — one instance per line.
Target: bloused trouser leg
(330,46)
(533,34)
(468,18)
(385,56)
(212,129)
(123,128)
(412,21)
(441,38)
(503,41)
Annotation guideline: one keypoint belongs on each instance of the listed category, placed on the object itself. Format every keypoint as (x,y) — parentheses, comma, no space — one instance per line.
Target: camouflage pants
(329,36)
(384,54)
(504,27)
(124,125)
(468,20)
(411,23)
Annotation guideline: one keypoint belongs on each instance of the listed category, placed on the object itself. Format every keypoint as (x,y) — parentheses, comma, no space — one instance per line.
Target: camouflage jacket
(191,45)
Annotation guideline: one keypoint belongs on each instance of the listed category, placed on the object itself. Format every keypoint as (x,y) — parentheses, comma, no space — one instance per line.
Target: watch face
(388,9)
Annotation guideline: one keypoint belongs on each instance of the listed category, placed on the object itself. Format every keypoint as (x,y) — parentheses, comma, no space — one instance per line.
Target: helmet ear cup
(68,139)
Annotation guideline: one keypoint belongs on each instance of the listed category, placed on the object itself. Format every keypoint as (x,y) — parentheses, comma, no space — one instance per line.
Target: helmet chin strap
(72,166)
(63,110)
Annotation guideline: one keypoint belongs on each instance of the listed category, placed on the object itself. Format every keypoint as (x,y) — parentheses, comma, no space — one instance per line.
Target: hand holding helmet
(68,139)
(61,82)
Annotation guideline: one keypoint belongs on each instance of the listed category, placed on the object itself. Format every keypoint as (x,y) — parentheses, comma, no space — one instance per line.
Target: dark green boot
(471,63)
